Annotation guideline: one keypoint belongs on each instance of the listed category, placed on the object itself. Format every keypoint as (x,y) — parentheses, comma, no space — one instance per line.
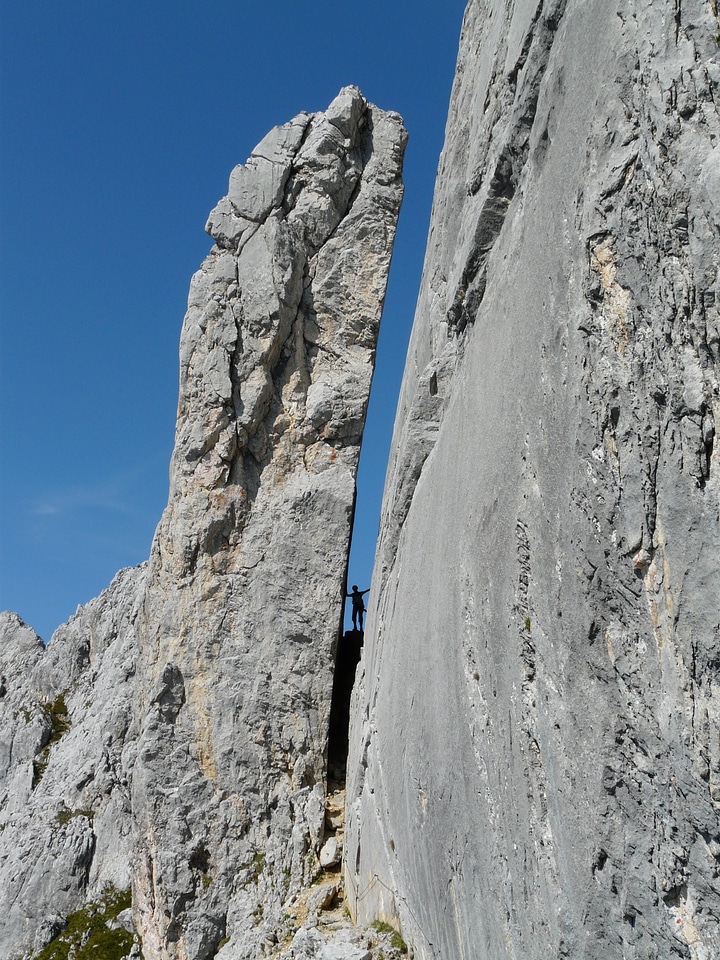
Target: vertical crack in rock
(496,170)
(534,764)
(238,629)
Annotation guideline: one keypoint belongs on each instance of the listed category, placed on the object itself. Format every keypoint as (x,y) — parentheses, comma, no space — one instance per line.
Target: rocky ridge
(66,757)
(534,753)
(181,718)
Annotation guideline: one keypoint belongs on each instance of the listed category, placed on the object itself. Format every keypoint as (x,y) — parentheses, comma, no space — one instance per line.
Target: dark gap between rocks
(346,661)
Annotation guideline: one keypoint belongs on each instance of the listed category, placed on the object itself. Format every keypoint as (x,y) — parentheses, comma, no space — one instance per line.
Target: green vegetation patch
(87,935)
(57,713)
(396,941)
(65,816)
(258,864)
(39,765)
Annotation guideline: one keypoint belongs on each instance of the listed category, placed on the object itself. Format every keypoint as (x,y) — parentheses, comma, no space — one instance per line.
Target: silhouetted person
(358,607)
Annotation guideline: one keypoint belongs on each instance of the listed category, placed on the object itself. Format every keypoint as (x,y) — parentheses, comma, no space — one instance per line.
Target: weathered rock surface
(535,753)
(243,602)
(66,757)
(174,733)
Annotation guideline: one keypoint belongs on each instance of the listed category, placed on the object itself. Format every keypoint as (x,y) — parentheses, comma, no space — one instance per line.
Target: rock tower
(174,733)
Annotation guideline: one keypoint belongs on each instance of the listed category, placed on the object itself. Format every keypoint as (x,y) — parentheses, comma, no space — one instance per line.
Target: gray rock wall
(67,750)
(243,603)
(535,749)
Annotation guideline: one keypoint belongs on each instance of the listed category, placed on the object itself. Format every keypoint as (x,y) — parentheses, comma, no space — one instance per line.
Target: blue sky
(119,125)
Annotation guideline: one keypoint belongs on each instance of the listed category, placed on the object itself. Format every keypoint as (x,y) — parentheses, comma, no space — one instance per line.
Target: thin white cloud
(45,509)
(118,495)
(65,502)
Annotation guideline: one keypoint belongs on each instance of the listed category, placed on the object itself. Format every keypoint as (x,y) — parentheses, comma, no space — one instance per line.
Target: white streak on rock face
(244,594)
(535,767)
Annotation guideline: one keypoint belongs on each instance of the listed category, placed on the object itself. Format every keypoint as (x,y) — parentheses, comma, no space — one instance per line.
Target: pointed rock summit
(243,601)
(201,774)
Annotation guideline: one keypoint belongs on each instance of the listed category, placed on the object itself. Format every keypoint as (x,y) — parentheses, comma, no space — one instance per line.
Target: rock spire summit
(201,776)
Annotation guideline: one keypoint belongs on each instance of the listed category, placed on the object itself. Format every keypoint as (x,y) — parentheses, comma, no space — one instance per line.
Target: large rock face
(535,755)
(243,602)
(174,733)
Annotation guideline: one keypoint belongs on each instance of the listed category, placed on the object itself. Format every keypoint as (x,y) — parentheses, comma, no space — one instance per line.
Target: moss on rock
(89,935)
(56,713)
